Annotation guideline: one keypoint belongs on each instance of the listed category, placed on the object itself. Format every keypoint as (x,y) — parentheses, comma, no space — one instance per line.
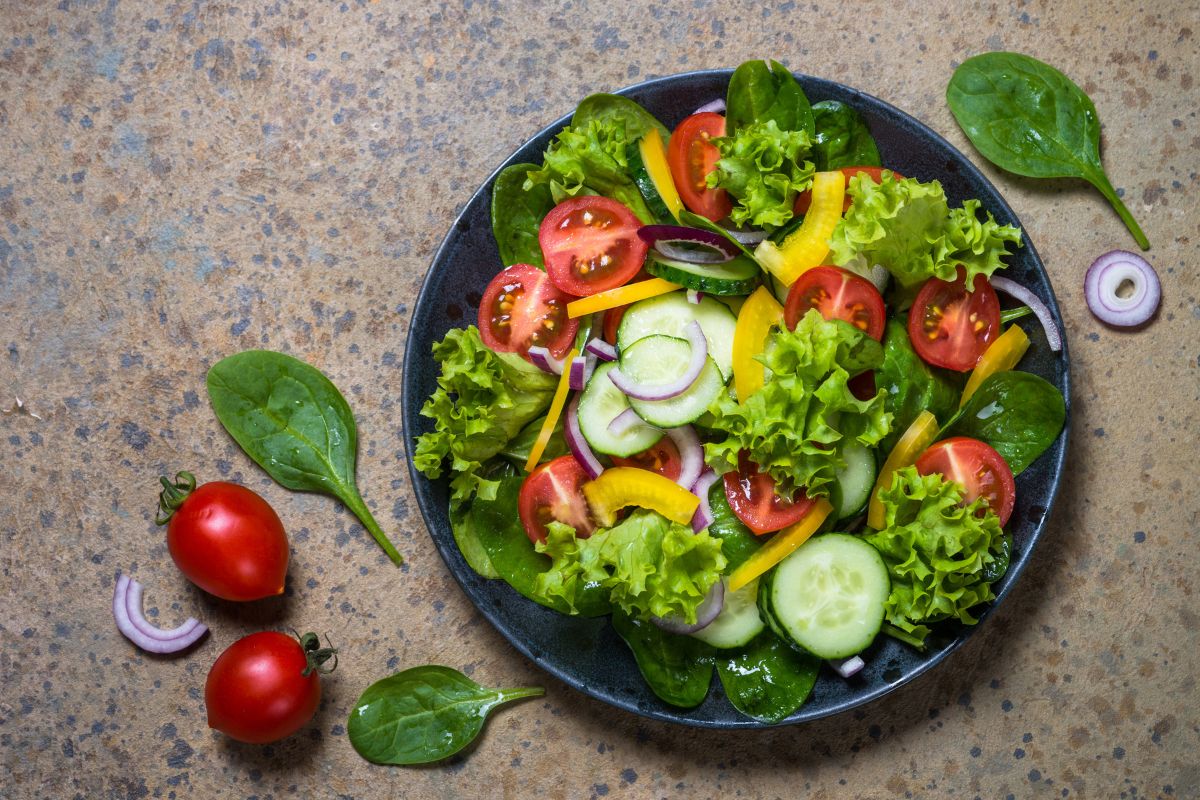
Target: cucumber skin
(709,284)
(636,447)
(716,338)
(747,635)
(645,184)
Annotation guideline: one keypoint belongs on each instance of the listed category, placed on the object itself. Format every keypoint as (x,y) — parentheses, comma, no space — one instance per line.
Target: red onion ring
(136,631)
(1016,290)
(625,421)
(847,667)
(665,238)
(694,297)
(542,359)
(708,610)
(704,514)
(133,606)
(665,391)
(1106,274)
(579,446)
(716,106)
(580,371)
(745,236)
(691,454)
(601,350)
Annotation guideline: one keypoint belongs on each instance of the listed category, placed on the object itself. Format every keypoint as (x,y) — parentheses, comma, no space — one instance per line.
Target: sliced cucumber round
(670,314)
(854,481)
(599,405)
(738,276)
(662,359)
(828,596)
(739,620)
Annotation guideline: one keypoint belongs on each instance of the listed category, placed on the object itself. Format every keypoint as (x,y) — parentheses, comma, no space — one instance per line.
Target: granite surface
(180,181)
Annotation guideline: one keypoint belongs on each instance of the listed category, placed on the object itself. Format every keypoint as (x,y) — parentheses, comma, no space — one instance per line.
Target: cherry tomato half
(265,686)
(612,321)
(951,327)
(521,308)
(752,497)
(804,199)
(554,491)
(977,467)
(225,538)
(591,245)
(837,294)
(692,157)
(662,458)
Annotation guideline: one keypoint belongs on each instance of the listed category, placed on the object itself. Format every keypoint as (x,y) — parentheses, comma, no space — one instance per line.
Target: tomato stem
(173,495)
(315,655)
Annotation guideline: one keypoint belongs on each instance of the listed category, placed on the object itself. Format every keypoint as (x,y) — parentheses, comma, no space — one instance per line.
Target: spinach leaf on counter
(842,138)
(517,215)
(677,668)
(423,714)
(737,542)
(910,385)
(604,107)
(1017,413)
(295,424)
(767,679)
(759,93)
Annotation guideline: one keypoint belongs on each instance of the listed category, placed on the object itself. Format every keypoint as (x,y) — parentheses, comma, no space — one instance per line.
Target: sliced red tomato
(804,199)
(951,327)
(692,157)
(612,321)
(837,294)
(554,491)
(591,245)
(977,467)
(662,458)
(521,308)
(752,497)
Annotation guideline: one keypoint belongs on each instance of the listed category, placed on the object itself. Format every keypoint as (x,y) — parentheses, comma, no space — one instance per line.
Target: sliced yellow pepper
(622,295)
(919,435)
(654,157)
(760,311)
(809,244)
(619,487)
(556,408)
(782,545)
(1001,356)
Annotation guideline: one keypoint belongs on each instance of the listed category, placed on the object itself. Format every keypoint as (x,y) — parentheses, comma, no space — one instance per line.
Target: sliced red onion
(542,359)
(704,514)
(601,350)
(160,641)
(708,610)
(691,454)
(691,245)
(1030,299)
(133,606)
(665,391)
(716,106)
(626,421)
(745,236)
(847,667)
(1105,276)
(580,371)
(579,446)
(694,297)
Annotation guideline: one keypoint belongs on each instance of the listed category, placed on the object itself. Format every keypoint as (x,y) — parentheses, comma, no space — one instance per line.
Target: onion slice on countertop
(144,634)
(704,514)
(665,391)
(691,245)
(133,606)
(580,371)
(1106,274)
(601,350)
(1019,292)
(708,610)
(716,106)
(542,359)
(847,667)
(691,454)
(579,445)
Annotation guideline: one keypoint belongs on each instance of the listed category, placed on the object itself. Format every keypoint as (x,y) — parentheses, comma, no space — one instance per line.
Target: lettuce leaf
(908,227)
(482,401)
(940,553)
(793,427)
(650,565)
(763,168)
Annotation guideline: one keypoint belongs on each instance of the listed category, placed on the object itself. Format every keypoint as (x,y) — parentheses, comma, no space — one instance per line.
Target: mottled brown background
(179,181)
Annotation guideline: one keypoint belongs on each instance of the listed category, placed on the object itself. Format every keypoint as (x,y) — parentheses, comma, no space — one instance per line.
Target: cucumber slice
(854,482)
(661,359)
(599,405)
(670,314)
(827,597)
(779,289)
(738,276)
(739,620)
(647,159)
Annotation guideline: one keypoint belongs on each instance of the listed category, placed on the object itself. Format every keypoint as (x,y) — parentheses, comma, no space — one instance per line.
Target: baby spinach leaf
(423,714)
(677,668)
(517,215)
(767,679)
(295,424)
(606,107)
(519,446)
(994,570)
(759,92)
(1017,413)
(737,542)
(466,535)
(1027,117)
(842,138)
(910,385)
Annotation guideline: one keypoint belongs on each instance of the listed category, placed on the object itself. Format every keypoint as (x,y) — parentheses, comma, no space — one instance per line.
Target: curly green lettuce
(483,400)
(795,427)
(649,565)
(942,555)
(908,227)
(763,168)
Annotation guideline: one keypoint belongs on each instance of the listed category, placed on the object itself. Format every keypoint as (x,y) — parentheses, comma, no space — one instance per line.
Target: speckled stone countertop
(183,180)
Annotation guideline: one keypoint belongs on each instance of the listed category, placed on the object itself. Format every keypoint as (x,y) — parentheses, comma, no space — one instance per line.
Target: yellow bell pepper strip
(629,293)
(919,436)
(758,314)
(782,545)
(654,157)
(1001,355)
(619,487)
(556,408)
(808,245)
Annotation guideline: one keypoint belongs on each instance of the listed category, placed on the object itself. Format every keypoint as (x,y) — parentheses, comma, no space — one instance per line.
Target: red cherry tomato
(752,497)
(977,467)
(554,491)
(225,538)
(837,294)
(692,157)
(612,321)
(265,686)
(804,199)
(521,308)
(662,458)
(951,327)
(591,245)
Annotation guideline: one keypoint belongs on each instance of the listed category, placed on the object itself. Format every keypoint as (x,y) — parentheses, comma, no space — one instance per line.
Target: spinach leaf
(519,446)
(517,215)
(295,424)
(1027,117)
(423,714)
(1017,413)
(737,541)
(759,92)
(910,385)
(767,679)
(994,570)
(605,107)
(842,138)
(677,668)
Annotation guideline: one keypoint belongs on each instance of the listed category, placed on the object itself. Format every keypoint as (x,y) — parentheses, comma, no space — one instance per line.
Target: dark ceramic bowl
(586,653)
